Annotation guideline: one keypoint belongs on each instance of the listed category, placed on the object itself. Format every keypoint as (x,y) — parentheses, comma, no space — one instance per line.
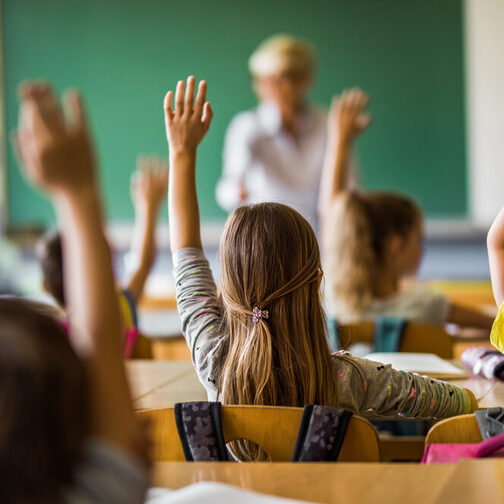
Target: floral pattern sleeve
(368,385)
(200,312)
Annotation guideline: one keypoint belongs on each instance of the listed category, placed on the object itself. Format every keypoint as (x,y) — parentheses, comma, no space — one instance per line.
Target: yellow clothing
(497,334)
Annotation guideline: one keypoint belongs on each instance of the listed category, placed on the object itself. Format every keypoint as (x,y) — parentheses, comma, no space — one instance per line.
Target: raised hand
(149,184)
(189,122)
(348,117)
(54,148)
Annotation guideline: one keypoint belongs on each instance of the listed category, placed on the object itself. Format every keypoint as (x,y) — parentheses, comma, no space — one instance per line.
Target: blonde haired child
(68,432)
(371,241)
(263,340)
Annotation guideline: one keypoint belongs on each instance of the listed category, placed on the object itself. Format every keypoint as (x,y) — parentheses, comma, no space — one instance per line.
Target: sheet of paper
(211,492)
(419,362)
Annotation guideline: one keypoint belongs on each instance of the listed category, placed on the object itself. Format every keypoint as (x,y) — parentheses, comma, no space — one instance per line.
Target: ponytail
(349,256)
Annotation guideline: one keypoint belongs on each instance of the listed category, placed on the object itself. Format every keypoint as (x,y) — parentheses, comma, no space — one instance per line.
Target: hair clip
(258,314)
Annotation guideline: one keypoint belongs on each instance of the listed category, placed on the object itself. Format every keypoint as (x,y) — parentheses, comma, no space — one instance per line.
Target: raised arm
(57,157)
(148,190)
(346,120)
(495,244)
(185,128)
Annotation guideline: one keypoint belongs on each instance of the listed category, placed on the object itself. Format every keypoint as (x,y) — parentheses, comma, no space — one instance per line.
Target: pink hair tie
(258,314)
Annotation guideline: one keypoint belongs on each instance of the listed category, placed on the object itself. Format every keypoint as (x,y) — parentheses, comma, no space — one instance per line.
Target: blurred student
(68,432)
(372,241)
(495,244)
(148,191)
(263,339)
(275,151)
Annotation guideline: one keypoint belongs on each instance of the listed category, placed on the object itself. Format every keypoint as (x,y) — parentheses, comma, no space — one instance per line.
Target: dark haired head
(49,252)
(43,396)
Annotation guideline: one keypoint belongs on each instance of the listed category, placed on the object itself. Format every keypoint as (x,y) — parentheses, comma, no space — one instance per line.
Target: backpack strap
(388,333)
(490,422)
(332,334)
(200,431)
(321,434)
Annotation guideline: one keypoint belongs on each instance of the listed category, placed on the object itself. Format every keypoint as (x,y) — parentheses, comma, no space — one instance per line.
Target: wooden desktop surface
(349,483)
(160,384)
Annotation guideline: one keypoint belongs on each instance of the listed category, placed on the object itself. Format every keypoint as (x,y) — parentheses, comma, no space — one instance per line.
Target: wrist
(182,153)
(86,198)
(147,211)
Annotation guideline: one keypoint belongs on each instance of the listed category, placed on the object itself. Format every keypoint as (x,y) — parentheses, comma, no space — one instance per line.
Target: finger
(179,98)
(200,99)
(30,89)
(25,150)
(75,111)
(168,99)
(142,163)
(353,98)
(207,115)
(189,96)
(17,148)
(363,121)
(47,108)
(344,100)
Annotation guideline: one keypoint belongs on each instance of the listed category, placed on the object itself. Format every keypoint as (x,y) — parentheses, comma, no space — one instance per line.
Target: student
(148,190)
(263,340)
(68,432)
(275,151)
(495,244)
(372,241)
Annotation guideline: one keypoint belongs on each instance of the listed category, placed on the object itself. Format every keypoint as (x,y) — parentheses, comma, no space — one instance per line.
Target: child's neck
(386,284)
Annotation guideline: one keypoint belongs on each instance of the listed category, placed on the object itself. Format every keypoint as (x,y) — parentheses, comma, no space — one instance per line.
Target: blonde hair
(270,259)
(283,53)
(358,227)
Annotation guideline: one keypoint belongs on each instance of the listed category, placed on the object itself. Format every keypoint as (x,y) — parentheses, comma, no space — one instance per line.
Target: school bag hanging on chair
(320,437)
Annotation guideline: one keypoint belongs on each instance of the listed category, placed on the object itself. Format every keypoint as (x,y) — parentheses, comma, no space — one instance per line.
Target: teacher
(275,152)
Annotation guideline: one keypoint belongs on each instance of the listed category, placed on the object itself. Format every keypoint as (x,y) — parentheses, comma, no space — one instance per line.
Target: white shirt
(270,163)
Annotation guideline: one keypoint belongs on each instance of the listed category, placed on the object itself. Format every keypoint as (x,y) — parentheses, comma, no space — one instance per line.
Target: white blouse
(270,163)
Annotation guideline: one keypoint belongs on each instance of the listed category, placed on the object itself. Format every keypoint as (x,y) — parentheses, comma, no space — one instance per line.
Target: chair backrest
(459,429)
(417,337)
(273,428)
(142,348)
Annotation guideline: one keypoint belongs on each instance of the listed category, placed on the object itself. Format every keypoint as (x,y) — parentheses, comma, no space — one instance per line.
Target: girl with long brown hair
(263,339)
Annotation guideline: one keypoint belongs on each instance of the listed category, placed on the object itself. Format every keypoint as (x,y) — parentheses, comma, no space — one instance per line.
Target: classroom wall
(484,20)
(125,54)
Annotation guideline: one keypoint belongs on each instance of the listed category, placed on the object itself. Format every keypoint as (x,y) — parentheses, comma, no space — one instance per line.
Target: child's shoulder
(422,305)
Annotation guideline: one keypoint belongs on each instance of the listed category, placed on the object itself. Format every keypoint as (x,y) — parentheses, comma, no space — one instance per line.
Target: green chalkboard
(124,55)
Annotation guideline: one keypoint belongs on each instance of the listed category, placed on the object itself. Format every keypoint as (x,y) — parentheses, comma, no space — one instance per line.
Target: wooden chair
(459,429)
(142,348)
(417,337)
(273,428)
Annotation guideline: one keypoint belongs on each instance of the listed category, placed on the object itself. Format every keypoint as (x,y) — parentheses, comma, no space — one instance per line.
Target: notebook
(212,493)
(421,363)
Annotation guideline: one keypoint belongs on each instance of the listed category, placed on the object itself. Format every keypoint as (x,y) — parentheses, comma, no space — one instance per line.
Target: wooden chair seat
(273,428)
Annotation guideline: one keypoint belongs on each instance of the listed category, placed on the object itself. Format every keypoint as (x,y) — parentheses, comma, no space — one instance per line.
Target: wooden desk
(147,376)
(475,482)
(160,384)
(327,483)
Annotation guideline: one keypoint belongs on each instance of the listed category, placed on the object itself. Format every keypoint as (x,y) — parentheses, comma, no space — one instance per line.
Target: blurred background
(433,69)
